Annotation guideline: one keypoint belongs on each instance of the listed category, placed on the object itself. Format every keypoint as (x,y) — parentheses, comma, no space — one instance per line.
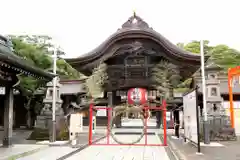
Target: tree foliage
(222,55)
(225,56)
(36,50)
(194,46)
(167,77)
(97,80)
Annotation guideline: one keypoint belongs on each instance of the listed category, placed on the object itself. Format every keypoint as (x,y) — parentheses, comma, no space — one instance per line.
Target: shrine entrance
(138,132)
(135,57)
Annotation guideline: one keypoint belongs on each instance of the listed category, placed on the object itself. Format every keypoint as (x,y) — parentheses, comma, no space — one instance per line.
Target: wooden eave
(136,33)
(10,60)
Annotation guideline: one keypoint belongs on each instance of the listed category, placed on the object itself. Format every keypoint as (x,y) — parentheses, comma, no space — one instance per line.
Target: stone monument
(43,128)
(219,122)
(213,98)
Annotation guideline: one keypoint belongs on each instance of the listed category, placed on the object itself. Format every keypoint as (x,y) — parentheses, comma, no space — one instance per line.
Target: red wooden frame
(163,108)
(232,72)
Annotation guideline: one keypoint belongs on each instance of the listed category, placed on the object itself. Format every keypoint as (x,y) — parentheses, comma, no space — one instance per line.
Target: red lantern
(137,96)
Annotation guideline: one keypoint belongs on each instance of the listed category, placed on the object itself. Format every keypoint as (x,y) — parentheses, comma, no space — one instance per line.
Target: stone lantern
(220,128)
(213,95)
(44,120)
(49,98)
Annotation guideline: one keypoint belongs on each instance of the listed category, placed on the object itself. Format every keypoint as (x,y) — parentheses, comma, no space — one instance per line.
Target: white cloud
(80,26)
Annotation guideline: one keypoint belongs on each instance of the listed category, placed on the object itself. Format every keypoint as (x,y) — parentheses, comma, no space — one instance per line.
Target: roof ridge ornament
(134,13)
(135,22)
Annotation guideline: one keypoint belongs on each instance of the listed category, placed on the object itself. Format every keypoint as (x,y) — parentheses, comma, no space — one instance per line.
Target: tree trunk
(171,93)
(29,119)
(159,118)
(28,116)
(177,122)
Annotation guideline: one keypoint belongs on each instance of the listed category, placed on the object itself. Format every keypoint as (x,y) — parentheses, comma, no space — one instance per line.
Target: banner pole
(230,79)
(198,127)
(205,122)
(164,104)
(90,123)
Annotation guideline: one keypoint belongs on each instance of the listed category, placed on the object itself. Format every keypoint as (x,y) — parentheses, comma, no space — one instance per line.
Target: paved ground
(56,152)
(21,145)
(19,137)
(126,152)
(51,153)
(228,151)
(17,149)
(123,152)
(98,152)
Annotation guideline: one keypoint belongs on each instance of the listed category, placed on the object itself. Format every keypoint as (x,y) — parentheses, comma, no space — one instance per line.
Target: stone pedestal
(43,128)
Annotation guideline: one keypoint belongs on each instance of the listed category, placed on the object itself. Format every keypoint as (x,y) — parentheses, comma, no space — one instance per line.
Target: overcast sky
(79,26)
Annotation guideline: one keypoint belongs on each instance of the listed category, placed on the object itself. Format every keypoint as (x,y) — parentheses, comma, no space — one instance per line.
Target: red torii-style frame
(162,107)
(232,72)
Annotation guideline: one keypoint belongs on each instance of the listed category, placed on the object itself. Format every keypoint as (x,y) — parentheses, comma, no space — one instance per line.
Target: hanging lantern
(137,96)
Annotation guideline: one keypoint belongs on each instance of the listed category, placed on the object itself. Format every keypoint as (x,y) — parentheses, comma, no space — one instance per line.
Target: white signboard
(2,90)
(101,112)
(94,124)
(190,119)
(226,104)
(168,116)
(76,125)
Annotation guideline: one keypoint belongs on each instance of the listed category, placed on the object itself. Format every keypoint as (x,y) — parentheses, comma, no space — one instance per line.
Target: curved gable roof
(135,27)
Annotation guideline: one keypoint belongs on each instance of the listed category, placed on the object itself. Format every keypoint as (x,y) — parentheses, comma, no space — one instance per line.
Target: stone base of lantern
(43,127)
(219,128)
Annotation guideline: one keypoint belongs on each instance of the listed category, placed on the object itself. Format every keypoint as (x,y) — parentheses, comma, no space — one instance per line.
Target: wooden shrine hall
(131,53)
(10,67)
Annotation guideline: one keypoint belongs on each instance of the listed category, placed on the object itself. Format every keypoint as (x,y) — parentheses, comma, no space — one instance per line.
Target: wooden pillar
(110,101)
(8,117)
(176,122)
(105,95)
(127,114)
(158,114)
(158,118)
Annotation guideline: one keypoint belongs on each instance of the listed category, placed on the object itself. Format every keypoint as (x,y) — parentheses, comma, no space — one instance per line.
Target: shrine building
(130,54)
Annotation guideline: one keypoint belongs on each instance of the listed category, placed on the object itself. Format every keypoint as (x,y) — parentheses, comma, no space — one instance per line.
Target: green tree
(97,80)
(194,46)
(36,50)
(222,55)
(167,77)
(225,56)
